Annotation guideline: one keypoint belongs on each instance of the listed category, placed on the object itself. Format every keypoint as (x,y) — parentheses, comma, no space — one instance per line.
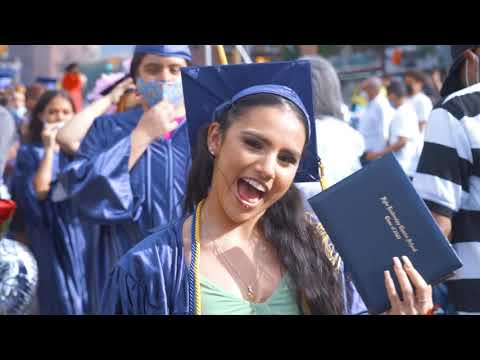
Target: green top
(216,301)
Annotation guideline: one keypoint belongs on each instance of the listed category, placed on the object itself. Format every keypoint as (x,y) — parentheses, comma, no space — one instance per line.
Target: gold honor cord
(329,249)
(196,264)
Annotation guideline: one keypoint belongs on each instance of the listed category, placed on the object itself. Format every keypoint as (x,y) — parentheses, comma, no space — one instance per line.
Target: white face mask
(21,111)
(55,126)
(466,75)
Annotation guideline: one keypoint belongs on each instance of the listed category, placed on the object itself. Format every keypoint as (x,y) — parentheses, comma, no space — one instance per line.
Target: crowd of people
(182,189)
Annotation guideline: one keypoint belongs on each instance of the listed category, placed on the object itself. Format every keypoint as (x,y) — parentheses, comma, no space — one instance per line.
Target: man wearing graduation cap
(245,245)
(130,171)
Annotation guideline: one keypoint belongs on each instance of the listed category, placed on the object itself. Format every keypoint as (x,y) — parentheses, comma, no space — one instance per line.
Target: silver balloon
(18,278)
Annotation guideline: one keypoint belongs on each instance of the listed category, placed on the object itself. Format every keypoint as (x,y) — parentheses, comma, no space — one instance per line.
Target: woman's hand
(417,300)
(49,134)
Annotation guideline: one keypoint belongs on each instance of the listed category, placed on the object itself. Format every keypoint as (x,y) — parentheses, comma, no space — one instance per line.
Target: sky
(117,50)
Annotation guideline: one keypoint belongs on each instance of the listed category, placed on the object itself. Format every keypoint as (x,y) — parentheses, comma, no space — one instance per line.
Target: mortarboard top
(49,82)
(208,89)
(181,51)
(5,82)
(6,78)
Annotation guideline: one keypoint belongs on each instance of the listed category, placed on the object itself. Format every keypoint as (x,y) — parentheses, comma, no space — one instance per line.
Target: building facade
(50,60)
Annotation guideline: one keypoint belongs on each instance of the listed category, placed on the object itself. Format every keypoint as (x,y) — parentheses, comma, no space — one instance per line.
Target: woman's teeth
(255,184)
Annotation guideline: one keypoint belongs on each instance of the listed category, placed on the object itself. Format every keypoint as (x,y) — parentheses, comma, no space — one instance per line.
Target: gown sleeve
(22,185)
(354,304)
(98,178)
(151,279)
(140,291)
(141,282)
(123,295)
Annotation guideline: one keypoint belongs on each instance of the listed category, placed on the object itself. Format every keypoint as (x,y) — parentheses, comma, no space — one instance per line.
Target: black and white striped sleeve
(444,168)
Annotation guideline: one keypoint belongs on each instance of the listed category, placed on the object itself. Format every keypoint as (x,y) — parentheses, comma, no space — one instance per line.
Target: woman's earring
(211,152)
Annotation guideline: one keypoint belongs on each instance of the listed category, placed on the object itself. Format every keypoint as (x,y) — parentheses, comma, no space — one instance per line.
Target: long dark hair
(35,127)
(284,224)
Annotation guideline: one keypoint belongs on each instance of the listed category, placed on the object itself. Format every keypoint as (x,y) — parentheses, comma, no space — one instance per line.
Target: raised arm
(70,137)
(396,146)
(43,177)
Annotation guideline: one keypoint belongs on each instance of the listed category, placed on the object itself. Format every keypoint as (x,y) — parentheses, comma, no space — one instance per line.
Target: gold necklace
(250,289)
(251,295)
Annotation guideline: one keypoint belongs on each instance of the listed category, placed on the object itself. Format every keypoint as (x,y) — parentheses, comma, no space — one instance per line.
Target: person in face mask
(17,104)
(130,172)
(54,232)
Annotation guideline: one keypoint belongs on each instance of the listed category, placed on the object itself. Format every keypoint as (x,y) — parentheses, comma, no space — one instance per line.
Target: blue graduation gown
(84,238)
(152,279)
(126,204)
(57,239)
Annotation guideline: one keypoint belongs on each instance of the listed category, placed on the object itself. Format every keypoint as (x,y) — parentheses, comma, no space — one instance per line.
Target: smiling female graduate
(57,236)
(245,245)
(129,174)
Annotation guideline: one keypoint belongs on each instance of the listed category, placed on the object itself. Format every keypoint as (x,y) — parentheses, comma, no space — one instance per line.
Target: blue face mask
(21,111)
(154,91)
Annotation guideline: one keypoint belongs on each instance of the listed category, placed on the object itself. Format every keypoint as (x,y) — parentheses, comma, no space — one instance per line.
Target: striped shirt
(448,179)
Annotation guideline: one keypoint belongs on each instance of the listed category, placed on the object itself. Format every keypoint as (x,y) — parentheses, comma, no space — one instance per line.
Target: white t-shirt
(375,123)
(340,147)
(422,106)
(347,115)
(405,124)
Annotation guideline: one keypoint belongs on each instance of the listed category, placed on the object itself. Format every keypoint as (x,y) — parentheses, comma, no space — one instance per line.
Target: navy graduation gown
(152,279)
(127,205)
(57,239)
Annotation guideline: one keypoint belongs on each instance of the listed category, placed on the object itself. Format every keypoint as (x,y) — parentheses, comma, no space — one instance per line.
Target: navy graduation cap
(49,82)
(208,89)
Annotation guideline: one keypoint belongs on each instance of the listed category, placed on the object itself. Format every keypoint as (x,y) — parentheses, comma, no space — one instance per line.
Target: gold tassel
(323,179)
